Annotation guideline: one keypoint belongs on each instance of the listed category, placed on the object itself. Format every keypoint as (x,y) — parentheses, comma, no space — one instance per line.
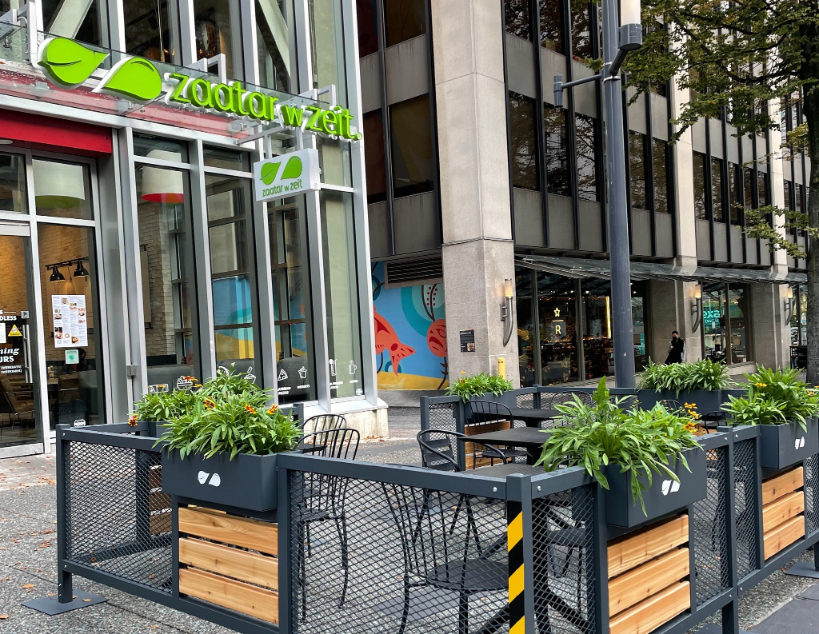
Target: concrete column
(771,332)
(478,253)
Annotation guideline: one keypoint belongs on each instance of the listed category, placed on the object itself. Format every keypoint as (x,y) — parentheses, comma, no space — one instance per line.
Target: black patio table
(503,470)
(532,417)
(529,437)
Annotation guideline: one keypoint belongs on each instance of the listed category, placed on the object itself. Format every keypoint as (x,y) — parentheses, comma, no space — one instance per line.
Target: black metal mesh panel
(709,539)
(389,558)
(525,400)
(745,506)
(443,417)
(812,493)
(564,562)
(118,518)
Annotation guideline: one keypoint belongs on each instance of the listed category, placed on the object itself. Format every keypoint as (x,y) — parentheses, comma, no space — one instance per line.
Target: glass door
(20,419)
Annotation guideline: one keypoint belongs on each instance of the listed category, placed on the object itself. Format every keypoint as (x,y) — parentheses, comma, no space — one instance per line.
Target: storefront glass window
(557,311)
(637,169)
(168,295)
(367,14)
(716,190)
(160,148)
(699,187)
(231,262)
(374,157)
(660,159)
(326,30)
(215,23)
(291,301)
(523,141)
(516,14)
(13,183)
(803,315)
(525,327)
(713,322)
(404,19)
(638,316)
(597,345)
(738,311)
(341,280)
(275,44)
(412,156)
(551,24)
(557,152)
(77,21)
(62,189)
(226,159)
(71,307)
(151,31)
(586,158)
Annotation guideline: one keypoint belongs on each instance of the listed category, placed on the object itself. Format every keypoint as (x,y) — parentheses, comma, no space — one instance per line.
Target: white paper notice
(70,321)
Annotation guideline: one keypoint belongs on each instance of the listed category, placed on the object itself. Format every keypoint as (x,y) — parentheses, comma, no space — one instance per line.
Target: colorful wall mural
(410,335)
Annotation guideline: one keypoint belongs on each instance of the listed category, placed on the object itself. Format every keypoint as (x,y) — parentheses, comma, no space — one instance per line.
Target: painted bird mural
(387,341)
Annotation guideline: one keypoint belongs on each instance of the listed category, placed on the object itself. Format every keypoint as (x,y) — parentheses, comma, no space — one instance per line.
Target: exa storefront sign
(69,64)
(286,175)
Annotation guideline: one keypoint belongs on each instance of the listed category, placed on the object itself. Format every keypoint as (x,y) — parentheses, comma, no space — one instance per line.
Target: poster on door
(70,319)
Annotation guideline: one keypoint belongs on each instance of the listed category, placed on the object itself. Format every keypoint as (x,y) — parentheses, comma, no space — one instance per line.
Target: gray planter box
(707,401)
(661,498)
(248,482)
(786,445)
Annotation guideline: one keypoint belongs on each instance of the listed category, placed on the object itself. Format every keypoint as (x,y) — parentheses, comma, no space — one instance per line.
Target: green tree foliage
(736,58)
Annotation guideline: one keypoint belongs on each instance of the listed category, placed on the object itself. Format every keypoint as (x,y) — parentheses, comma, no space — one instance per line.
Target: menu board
(70,319)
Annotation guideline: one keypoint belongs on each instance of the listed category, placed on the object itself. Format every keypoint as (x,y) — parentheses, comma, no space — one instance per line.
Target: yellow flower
(761,384)
(272,409)
(132,420)
(250,409)
(464,372)
(209,404)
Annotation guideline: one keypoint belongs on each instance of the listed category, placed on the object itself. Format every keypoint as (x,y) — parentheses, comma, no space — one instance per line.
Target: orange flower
(209,404)
(250,409)
(272,409)
(132,420)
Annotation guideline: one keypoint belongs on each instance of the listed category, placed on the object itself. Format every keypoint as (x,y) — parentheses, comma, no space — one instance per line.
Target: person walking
(676,349)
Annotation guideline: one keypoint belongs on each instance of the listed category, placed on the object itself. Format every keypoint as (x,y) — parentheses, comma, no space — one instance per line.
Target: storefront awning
(601,269)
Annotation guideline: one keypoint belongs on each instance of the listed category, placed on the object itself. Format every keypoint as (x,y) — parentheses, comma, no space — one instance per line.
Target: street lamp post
(618,40)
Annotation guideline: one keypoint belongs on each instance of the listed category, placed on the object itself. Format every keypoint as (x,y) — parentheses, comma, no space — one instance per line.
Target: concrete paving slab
(800,616)
(811,593)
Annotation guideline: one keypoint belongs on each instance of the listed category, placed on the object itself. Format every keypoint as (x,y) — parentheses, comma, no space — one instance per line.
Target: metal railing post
(287,616)
(730,613)
(65,586)
(600,582)
(424,413)
(521,553)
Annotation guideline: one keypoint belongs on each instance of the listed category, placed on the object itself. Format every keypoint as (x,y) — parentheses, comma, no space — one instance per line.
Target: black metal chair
(323,422)
(671,405)
(436,556)
(324,499)
(439,450)
(491,413)
(712,420)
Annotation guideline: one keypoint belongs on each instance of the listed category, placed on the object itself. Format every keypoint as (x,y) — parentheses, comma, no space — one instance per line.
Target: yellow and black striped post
(517,584)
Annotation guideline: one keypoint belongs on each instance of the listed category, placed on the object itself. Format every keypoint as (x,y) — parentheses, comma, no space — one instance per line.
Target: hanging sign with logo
(286,175)
(70,64)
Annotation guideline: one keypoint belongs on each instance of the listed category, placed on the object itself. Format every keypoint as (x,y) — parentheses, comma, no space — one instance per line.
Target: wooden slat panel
(782,485)
(230,594)
(229,529)
(784,535)
(647,580)
(648,615)
(161,523)
(231,562)
(629,552)
(783,509)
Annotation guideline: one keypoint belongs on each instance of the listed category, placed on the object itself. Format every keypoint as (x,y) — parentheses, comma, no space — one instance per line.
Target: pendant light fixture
(58,185)
(80,270)
(56,276)
(160,184)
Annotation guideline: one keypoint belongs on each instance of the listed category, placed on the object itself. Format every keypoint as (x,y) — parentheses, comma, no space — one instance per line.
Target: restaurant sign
(70,64)
(286,175)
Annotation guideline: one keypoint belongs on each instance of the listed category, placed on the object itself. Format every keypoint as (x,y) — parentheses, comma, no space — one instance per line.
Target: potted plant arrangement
(159,407)
(482,387)
(648,461)
(220,445)
(786,410)
(700,382)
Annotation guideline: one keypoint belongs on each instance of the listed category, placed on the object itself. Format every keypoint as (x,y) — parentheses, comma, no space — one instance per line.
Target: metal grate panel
(812,493)
(526,401)
(443,417)
(379,557)
(564,562)
(709,536)
(745,475)
(118,519)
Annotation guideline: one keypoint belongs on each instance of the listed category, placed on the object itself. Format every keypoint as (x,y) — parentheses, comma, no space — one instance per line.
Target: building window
(557,152)
(735,193)
(13,183)
(797,198)
(374,156)
(517,18)
(788,195)
(275,44)
(748,185)
(700,208)
(527,323)
(725,322)
(62,189)
(523,142)
(717,209)
(637,169)
(551,25)
(586,158)
(215,23)
(762,184)
(557,316)
(327,46)
(367,14)
(77,21)
(150,32)
(411,135)
(581,30)
(660,159)
(404,20)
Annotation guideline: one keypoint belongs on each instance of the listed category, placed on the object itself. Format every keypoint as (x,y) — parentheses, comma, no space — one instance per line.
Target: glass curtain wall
(276,44)
(152,29)
(217,32)
(726,322)
(85,21)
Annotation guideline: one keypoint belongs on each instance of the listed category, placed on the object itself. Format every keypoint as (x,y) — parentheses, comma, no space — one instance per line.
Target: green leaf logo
(135,78)
(69,63)
(293,168)
(269,171)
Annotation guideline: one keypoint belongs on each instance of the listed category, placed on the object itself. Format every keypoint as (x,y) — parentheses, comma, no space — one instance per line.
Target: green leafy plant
(478,385)
(774,397)
(640,442)
(683,377)
(164,406)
